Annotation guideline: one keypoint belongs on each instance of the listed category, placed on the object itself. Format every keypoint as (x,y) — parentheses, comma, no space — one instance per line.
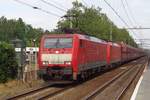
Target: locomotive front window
(50,43)
(58,43)
(65,42)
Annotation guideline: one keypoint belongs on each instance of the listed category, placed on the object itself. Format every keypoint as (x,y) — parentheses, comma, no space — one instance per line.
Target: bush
(8,64)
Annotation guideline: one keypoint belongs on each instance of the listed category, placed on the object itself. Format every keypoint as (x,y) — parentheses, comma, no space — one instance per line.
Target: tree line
(93,22)
(11,29)
(89,21)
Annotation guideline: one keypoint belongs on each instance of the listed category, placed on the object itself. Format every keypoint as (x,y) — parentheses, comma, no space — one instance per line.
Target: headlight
(45,62)
(67,62)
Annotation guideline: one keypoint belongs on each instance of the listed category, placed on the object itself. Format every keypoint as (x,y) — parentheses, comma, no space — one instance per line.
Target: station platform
(142,90)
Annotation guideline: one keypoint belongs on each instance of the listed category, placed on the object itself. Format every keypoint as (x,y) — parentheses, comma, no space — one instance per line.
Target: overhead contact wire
(35,7)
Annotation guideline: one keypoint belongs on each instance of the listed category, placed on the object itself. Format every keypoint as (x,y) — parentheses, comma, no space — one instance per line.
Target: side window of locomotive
(81,43)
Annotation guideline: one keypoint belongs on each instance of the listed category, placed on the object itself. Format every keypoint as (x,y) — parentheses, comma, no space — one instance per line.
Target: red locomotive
(75,56)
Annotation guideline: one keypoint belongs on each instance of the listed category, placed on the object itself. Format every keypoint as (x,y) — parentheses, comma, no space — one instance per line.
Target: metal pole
(111,31)
(35,60)
(69,17)
(70,22)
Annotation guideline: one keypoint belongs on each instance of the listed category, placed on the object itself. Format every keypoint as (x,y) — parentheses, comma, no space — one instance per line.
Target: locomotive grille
(56,58)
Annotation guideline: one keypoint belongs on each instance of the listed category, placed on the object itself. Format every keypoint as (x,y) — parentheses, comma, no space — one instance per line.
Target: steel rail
(58,92)
(133,79)
(28,93)
(100,89)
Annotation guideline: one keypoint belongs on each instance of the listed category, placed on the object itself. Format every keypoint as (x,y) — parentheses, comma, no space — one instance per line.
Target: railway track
(67,92)
(107,91)
(17,96)
(49,95)
(103,85)
(42,92)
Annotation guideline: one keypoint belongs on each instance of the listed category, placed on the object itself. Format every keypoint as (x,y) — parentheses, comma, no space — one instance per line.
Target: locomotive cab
(56,57)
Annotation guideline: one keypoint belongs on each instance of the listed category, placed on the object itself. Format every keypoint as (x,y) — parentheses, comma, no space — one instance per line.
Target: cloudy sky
(138,11)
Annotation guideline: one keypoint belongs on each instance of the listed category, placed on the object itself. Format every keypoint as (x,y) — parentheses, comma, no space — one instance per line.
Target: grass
(16,86)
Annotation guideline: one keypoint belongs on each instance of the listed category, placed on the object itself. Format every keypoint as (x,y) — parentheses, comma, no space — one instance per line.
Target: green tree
(11,29)
(8,64)
(93,22)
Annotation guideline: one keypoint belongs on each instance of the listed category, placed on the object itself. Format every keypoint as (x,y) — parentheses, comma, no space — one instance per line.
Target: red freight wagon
(133,52)
(129,53)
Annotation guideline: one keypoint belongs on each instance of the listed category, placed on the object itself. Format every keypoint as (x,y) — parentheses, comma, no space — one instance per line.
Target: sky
(138,11)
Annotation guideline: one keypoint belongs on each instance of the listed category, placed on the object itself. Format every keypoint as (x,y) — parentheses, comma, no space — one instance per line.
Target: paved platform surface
(143,90)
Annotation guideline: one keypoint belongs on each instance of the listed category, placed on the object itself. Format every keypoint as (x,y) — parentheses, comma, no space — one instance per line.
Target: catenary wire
(126,12)
(35,7)
(85,3)
(119,16)
(53,5)
(130,11)
(59,4)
